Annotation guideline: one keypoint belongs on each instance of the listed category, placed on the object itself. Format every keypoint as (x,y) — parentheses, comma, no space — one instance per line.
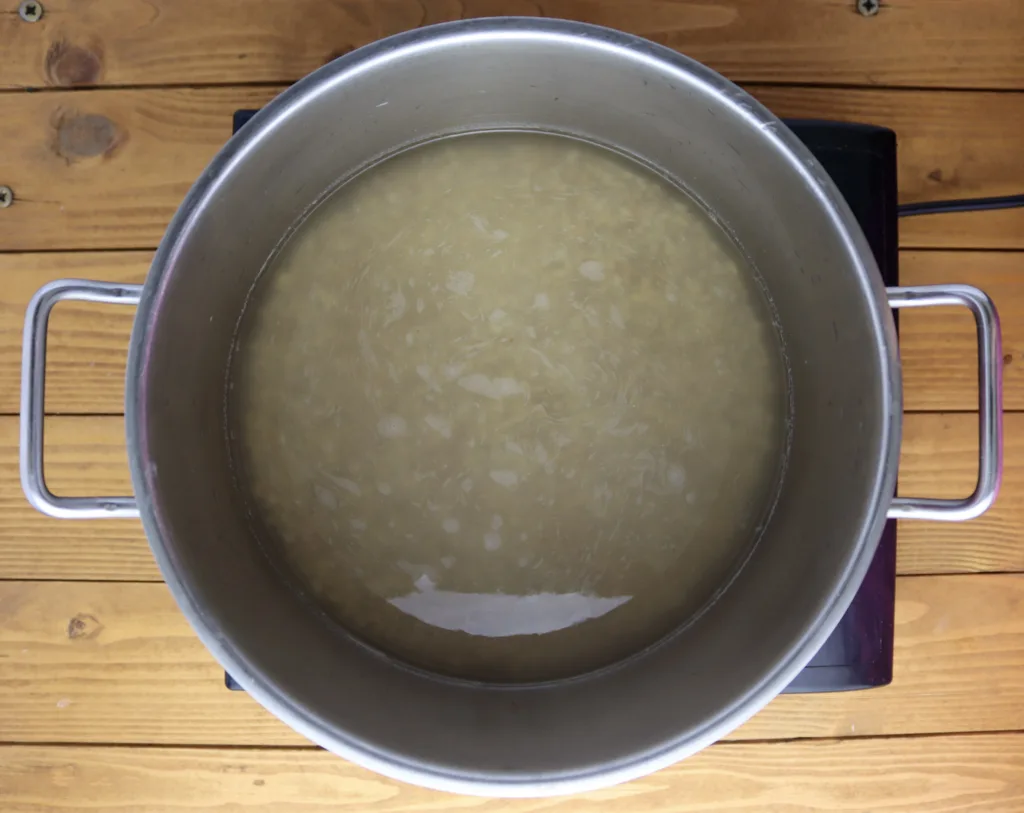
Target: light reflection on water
(496,615)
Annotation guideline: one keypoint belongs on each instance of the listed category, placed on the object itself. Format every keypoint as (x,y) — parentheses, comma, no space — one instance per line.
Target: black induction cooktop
(861,159)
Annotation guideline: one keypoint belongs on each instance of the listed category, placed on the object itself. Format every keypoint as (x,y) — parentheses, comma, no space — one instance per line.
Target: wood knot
(84,135)
(946,179)
(68,65)
(84,625)
(1008,359)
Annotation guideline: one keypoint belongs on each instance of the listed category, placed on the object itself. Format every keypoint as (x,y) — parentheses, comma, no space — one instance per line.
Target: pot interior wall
(613,90)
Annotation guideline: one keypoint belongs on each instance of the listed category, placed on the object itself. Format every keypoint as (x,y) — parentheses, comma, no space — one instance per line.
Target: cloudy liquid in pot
(509,407)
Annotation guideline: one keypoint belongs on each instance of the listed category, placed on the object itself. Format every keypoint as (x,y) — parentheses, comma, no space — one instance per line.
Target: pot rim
(303,719)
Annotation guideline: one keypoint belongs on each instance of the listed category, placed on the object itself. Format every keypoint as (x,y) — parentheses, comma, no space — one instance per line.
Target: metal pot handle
(33,385)
(990,402)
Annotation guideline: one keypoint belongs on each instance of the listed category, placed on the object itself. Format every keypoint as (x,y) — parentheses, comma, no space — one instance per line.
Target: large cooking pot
(745,166)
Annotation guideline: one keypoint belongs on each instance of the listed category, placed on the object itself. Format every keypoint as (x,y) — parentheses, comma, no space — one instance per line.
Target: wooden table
(107,700)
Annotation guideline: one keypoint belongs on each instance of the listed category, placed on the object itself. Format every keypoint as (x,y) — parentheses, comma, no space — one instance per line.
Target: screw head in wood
(6,196)
(31,11)
(869,8)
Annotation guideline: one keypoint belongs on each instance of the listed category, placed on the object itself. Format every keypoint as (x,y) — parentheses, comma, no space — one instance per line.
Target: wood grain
(78,653)
(88,343)
(951,145)
(117,663)
(107,169)
(83,456)
(958,643)
(938,346)
(940,459)
(86,455)
(133,42)
(949,774)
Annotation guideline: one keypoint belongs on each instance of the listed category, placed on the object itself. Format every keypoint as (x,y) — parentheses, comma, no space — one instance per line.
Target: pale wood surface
(107,169)
(948,774)
(117,663)
(940,459)
(88,343)
(932,43)
(122,160)
(83,456)
(951,145)
(938,346)
(86,455)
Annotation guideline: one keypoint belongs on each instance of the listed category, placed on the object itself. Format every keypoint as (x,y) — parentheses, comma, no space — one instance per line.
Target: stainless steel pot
(612,89)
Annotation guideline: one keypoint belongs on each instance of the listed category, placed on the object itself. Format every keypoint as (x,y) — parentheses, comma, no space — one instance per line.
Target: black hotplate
(862,161)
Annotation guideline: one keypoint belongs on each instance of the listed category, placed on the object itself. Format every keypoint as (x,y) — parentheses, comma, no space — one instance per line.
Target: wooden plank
(83,456)
(132,42)
(938,346)
(940,459)
(87,347)
(106,169)
(951,145)
(959,641)
(88,343)
(86,455)
(116,663)
(77,653)
(949,774)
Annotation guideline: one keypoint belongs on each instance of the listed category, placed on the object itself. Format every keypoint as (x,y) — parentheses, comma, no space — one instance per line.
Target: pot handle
(33,385)
(990,402)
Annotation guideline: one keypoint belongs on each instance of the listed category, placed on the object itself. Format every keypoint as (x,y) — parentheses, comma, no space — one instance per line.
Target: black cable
(960,205)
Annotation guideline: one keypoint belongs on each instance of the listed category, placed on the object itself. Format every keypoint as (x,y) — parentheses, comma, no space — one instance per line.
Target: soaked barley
(509,406)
